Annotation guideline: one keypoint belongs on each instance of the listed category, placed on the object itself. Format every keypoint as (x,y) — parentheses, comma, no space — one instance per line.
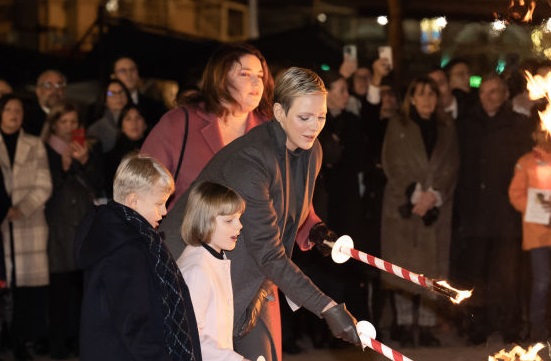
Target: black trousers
(64,310)
(494,265)
(30,305)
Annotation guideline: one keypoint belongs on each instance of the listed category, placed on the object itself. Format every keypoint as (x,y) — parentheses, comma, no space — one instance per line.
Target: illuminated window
(431,34)
(112,6)
(382,20)
(541,39)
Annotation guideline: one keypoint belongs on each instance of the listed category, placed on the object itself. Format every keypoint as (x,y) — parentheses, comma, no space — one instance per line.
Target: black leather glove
(248,321)
(342,324)
(319,233)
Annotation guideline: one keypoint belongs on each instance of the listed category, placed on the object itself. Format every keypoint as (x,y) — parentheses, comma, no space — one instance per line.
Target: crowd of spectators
(434,178)
(58,161)
(422,182)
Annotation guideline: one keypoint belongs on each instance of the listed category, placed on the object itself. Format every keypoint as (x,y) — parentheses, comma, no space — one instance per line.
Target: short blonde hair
(137,173)
(295,82)
(56,112)
(206,201)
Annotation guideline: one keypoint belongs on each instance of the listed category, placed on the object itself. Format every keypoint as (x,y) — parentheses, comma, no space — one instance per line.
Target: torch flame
(518,7)
(518,353)
(540,87)
(460,294)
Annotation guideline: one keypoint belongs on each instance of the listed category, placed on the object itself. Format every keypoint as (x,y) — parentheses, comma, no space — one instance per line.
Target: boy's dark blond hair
(138,173)
(206,201)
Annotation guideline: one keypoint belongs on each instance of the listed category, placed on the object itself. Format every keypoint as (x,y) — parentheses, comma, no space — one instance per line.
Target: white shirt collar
(452,108)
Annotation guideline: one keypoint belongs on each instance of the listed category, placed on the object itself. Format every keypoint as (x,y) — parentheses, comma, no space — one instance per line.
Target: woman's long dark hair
(4,101)
(216,87)
(126,109)
(423,80)
(102,97)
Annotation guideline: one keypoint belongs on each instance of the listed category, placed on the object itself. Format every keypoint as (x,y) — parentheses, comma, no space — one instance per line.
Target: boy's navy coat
(122,314)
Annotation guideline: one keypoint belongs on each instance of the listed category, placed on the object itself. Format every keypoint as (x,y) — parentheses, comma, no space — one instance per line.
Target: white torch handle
(367,334)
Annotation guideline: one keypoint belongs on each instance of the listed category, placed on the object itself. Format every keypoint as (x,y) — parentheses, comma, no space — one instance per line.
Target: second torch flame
(460,294)
(343,249)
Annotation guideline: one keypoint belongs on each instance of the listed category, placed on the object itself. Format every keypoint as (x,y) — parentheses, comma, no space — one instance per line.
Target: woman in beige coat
(420,160)
(28,183)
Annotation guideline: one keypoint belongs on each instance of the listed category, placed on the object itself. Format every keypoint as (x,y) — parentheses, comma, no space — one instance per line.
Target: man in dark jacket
(126,70)
(491,140)
(49,90)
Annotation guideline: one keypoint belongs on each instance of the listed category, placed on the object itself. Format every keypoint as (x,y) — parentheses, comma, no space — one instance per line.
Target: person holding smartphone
(77,176)
(349,61)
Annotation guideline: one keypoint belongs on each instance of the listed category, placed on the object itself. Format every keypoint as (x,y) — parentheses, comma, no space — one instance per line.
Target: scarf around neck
(57,144)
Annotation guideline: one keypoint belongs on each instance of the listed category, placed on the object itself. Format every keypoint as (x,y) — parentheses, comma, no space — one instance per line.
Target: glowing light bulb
(441,22)
(382,20)
(499,25)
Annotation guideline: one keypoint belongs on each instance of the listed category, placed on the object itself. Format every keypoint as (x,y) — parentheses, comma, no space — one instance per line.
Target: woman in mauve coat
(420,160)
(236,96)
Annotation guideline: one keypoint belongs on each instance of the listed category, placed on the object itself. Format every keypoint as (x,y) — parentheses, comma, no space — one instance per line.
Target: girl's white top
(209,282)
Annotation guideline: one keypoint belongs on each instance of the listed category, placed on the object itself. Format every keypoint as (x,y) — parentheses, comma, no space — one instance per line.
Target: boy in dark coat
(136,304)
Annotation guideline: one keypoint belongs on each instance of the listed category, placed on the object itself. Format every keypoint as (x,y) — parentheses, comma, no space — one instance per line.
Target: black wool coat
(122,312)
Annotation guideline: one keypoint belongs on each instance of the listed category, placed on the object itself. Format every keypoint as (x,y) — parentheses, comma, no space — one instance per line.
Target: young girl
(531,188)
(211,226)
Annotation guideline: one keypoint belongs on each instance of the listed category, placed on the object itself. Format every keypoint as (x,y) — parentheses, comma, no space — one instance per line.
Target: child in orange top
(533,176)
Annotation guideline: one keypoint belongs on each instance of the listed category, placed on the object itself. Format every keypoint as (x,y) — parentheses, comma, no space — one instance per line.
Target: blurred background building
(170,36)
(58,25)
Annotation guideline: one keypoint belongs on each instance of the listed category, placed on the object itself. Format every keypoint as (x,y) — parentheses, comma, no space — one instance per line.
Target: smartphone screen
(350,51)
(386,52)
(78,136)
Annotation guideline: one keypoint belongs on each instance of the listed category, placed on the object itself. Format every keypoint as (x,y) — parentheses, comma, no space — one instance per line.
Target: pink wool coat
(204,141)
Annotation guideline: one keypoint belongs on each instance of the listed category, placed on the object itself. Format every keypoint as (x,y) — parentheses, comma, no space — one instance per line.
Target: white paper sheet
(535,211)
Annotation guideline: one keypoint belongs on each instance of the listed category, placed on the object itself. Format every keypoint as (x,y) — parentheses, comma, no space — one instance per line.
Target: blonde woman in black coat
(273,168)
(77,176)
